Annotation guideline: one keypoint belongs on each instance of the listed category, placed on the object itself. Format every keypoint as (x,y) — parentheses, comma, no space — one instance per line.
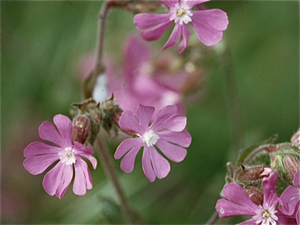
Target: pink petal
(147,167)
(39,148)
(48,132)
(289,199)
(65,181)
(129,122)
(193,2)
(175,36)
(171,151)
(155,33)
(215,18)
(86,152)
(185,38)
(226,209)
(135,54)
(58,179)
(144,114)
(163,115)
(38,164)
(207,35)
(182,138)
(235,193)
(64,126)
(268,185)
(126,146)
(297,179)
(82,149)
(83,179)
(127,163)
(161,166)
(174,123)
(143,21)
(284,220)
(169,3)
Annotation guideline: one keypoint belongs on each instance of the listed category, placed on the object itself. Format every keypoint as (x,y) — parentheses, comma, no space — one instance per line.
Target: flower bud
(285,160)
(292,165)
(296,138)
(255,173)
(81,128)
(255,195)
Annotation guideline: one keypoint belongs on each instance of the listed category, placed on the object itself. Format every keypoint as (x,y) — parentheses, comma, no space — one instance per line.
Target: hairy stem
(111,174)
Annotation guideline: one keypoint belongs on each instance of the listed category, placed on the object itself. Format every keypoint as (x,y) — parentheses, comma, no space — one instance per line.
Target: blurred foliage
(42,43)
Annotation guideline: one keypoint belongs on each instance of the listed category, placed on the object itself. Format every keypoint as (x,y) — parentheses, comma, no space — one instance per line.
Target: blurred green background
(41,45)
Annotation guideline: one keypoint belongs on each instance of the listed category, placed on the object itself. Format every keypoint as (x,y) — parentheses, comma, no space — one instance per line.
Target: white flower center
(181,13)
(266,215)
(67,156)
(150,138)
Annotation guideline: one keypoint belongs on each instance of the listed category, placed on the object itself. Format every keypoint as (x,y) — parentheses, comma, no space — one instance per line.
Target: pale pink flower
(165,133)
(208,24)
(66,154)
(238,203)
(290,198)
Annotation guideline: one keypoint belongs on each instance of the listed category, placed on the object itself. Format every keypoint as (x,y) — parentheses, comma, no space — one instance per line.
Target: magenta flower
(238,203)
(290,198)
(40,156)
(165,133)
(208,24)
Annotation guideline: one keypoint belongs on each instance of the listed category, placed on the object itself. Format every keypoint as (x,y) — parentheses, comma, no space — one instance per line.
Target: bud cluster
(91,115)
(259,161)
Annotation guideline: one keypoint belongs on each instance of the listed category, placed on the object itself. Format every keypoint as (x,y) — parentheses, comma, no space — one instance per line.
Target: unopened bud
(292,165)
(255,173)
(255,195)
(296,138)
(81,128)
(285,160)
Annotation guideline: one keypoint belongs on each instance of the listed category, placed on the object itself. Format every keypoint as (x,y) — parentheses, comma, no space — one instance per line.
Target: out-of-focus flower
(148,79)
(238,203)
(208,24)
(67,154)
(290,199)
(165,133)
(141,82)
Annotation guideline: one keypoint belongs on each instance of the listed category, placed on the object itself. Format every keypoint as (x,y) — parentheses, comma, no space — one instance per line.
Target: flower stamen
(67,156)
(180,12)
(150,138)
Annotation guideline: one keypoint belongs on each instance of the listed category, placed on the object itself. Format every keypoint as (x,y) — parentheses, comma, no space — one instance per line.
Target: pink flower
(290,198)
(39,156)
(139,83)
(208,24)
(165,133)
(238,203)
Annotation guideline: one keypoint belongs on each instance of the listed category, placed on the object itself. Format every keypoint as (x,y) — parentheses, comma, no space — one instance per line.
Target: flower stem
(112,176)
(98,67)
(213,219)
(255,153)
